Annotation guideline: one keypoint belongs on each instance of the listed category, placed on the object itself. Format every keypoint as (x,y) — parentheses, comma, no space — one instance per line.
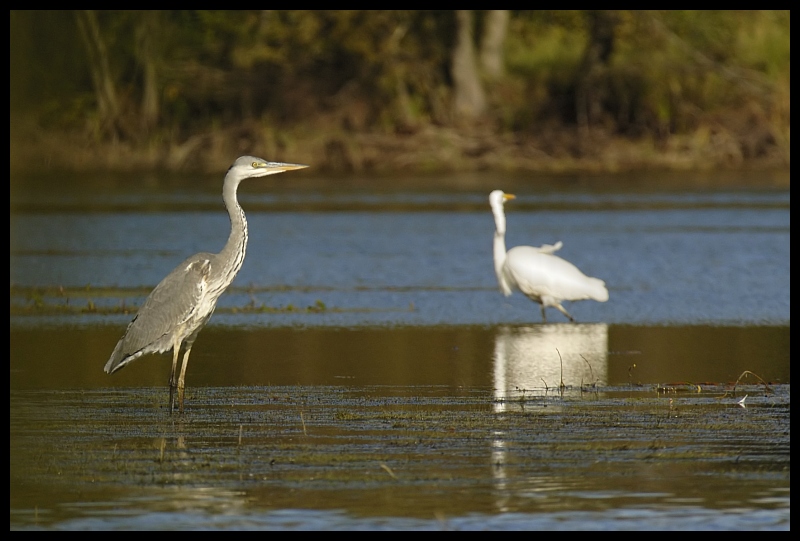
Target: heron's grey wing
(165,311)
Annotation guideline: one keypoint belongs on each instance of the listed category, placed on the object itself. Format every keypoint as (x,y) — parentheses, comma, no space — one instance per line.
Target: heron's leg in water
(544,317)
(173,382)
(181,378)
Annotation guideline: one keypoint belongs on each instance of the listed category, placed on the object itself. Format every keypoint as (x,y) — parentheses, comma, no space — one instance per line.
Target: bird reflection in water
(533,360)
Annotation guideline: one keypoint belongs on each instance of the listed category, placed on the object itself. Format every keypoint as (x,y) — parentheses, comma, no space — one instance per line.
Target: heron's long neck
(232,255)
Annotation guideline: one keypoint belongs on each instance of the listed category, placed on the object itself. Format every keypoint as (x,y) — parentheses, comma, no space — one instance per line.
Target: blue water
(718,258)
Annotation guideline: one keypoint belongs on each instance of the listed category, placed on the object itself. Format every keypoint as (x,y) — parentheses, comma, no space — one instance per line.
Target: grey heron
(182,303)
(540,275)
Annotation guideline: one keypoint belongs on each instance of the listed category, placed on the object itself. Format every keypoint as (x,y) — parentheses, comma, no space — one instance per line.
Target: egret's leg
(182,377)
(563,311)
(173,382)
(544,317)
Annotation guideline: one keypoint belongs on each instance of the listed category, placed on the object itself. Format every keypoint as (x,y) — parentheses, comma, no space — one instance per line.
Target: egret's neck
(500,251)
(500,259)
(232,254)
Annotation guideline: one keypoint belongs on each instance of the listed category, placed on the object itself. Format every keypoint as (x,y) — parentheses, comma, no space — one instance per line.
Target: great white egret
(182,303)
(541,276)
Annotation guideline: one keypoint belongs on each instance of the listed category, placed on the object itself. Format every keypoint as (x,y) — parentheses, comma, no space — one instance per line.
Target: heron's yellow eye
(254,164)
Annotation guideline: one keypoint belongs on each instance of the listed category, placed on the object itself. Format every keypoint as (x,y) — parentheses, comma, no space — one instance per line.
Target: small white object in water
(741,402)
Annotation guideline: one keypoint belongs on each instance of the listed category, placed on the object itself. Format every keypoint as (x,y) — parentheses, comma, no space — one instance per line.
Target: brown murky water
(117,459)
(406,428)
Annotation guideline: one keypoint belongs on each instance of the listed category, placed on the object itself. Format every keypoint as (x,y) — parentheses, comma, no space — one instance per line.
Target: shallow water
(363,372)
(361,456)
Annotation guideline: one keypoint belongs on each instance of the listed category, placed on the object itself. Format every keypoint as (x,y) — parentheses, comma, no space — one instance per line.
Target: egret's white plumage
(539,274)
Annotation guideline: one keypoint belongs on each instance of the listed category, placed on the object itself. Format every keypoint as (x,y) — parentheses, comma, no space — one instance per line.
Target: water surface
(364,372)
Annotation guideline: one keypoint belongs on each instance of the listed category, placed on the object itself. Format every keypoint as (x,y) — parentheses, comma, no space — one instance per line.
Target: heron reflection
(537,359)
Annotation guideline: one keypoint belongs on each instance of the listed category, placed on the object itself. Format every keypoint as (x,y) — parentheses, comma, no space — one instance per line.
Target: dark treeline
(389,90)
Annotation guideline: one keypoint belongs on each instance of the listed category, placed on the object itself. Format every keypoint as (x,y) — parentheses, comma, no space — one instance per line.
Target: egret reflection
(537,359)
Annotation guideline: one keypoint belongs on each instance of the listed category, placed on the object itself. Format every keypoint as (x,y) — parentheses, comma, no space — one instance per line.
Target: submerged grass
(57,300)
(350,445)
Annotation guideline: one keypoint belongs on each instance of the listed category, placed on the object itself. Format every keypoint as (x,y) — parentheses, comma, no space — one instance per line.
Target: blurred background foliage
(401,90)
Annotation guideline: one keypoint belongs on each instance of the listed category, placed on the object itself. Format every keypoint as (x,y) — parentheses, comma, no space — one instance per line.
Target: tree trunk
(469,101)
(494,35)
(146,53)
(591,84)
(105,91)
